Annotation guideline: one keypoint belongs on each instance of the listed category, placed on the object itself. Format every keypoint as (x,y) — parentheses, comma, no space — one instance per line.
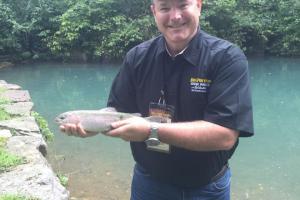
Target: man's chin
(177,39)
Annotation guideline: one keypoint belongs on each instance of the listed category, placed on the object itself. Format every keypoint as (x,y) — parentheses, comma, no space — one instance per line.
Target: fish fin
(112,109)
(108,109)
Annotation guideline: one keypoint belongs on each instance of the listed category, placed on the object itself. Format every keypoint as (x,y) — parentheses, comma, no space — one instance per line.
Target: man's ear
(152,9)
(199,4)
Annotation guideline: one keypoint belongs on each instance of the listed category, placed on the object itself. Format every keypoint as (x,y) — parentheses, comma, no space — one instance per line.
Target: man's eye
(183,6)
(164,9)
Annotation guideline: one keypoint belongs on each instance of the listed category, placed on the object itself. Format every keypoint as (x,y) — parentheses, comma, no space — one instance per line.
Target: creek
(265,166)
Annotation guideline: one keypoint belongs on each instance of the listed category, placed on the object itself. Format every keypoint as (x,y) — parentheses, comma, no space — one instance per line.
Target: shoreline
(35,178)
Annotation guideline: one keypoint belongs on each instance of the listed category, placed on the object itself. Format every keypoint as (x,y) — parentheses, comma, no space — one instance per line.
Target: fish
(98,121)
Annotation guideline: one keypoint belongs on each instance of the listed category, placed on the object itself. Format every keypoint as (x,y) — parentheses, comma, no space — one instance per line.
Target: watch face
(152,142)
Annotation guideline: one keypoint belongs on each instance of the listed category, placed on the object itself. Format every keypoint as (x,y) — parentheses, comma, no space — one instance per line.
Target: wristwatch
(153,137)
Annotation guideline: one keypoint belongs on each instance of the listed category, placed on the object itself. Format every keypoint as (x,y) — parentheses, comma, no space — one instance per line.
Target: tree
(107,29)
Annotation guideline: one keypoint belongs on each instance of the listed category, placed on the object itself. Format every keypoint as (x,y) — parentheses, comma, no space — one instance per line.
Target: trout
(98,121)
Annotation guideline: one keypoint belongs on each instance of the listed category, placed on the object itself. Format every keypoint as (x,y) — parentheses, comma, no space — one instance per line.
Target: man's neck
(177,49)
(174,53)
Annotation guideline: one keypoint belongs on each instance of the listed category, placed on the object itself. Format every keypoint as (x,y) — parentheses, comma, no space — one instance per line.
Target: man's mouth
(176,26)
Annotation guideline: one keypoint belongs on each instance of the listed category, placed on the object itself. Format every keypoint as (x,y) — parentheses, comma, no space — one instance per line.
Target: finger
(116,132)
(73,130)
(81,132)
(65,129)
(69,129)
(118,124)
(62,128)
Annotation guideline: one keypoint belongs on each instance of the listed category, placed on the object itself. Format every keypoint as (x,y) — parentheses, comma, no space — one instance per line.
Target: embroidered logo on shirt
(199,84)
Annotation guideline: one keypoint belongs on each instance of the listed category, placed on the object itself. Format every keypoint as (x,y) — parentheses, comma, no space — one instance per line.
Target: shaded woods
(104,30)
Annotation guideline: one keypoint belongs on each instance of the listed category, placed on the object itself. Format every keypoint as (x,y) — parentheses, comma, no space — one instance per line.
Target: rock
(9,86)
(5,133)
(16,95)
(22,126)
(35,178)
(27,146)
(6,64)
(20,108)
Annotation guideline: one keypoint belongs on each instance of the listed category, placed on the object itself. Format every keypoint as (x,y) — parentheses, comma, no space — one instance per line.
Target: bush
(16,197)
(8,160)
(43,125)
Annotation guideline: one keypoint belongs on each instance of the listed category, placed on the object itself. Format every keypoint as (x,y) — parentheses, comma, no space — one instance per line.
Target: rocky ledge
(35,178)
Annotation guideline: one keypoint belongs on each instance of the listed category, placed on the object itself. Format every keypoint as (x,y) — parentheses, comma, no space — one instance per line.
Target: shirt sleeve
(122,94)
(229,97)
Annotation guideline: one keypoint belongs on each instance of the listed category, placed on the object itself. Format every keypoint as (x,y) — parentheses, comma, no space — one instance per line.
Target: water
(264,167)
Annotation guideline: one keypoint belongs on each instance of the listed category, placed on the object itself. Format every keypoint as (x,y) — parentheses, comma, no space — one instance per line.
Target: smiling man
(197,88)
(178,21)
(202,83)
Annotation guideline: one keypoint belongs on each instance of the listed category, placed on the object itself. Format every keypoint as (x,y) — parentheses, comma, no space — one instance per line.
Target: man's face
(177,20)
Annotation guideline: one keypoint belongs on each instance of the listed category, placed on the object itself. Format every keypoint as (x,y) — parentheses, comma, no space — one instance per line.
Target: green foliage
(107,29)
(8,160)
(43,125)
(126,35)
(63,179)
(26,24)
(258,26)
(4,115)
(16,197)
(3,100)
(133,9)
(3,141)
(100,29)
(7,41)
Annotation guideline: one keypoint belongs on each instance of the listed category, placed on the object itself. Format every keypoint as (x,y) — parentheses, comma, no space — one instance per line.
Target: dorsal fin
(108,109)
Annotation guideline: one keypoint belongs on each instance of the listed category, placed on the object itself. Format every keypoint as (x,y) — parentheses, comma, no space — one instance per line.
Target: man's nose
(176,14)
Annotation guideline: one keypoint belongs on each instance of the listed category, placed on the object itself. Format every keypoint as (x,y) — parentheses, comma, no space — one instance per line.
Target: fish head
(67,117)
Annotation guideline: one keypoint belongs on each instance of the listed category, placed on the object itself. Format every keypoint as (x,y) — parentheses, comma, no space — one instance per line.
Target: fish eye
(62,117)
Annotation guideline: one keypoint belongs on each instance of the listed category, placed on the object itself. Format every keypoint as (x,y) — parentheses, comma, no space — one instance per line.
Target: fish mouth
(57,120)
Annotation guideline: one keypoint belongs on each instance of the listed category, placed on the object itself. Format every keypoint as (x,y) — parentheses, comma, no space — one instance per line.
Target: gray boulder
(16,95)
(35,178)
(21,126)
(19,108)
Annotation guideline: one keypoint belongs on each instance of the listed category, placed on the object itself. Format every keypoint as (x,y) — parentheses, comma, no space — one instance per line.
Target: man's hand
(75,130)
(134,129)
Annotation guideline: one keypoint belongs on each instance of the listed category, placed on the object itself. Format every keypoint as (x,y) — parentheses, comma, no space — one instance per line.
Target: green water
(265,167)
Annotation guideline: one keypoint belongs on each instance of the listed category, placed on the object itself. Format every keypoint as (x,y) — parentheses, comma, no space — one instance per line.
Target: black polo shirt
(209,81)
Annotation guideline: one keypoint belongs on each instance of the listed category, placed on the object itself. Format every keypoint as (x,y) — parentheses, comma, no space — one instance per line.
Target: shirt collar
(191,53)
(181,52)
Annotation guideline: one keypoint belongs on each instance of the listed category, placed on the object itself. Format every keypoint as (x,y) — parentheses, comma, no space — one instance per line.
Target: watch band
(153,137)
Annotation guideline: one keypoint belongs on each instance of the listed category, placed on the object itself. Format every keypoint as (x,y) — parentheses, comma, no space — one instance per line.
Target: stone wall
(35,178)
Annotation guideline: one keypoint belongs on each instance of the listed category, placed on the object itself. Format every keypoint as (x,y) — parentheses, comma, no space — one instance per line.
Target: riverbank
(35,177)
(6,64)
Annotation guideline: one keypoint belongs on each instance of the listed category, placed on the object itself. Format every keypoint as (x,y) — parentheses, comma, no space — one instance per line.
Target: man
(199,81)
